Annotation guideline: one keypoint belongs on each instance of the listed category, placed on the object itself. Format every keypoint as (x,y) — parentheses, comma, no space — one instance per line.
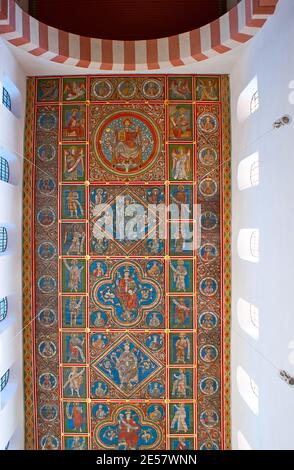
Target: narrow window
(4,170)
(6,100)
(3,308)
(4,380)
(3,239)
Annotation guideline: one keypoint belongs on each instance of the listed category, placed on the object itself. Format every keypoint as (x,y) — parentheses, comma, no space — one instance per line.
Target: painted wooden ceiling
(127,19)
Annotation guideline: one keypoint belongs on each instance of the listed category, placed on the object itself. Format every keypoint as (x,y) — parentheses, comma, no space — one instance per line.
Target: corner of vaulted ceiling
(223,35)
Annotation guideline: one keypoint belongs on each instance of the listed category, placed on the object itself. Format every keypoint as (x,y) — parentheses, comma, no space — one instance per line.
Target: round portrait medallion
(127,89)
(102,89)
(208,156)
(209,385)
(152,89)
(208,353)
(208,320)
(47,251)
(46,152)
(127,143)
(207,123)
(208,286)
(47,121)
(209,418)
(46,185)
(208,187)
(46,217)
(208,252)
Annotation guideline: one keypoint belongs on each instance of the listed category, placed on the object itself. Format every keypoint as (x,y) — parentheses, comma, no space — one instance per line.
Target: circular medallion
(46,152)
(208,286)
(209,386)
(47,284)
(127,143)
(208,156)
(208,123)
(47,121)
(154,342)
(102,89)
(209,418)
(208,353)
(49,442)
(155,412)
(208,320)
(47,251)
(208,187)
(208,252)
(208,220)
(154,319)
(46,217)
(99,389)
(47,349)
(46,185)
(209,445)
(127,89)
(152,89)
(47,381)
(49,412)
(100,411)
(155,390)
(47,317)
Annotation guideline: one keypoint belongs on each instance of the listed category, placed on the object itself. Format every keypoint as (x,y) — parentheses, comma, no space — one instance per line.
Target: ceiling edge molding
(234,28)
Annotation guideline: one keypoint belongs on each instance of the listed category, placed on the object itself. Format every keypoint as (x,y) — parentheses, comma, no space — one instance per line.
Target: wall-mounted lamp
(283,121)
(286,378)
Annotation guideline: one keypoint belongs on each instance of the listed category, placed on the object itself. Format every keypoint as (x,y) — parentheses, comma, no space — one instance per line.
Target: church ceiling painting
(127,262)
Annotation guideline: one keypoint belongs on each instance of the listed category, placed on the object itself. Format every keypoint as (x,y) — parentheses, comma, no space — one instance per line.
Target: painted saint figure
(74,275)
(77,237)
(180,386)
(73,204)
(126,292)
(181,163)
(183,349)
(76,415)
(180,273)
(127,368)
(75,348)
(128,431)
(74,381)
(73,163)
(179,423)
(127,146)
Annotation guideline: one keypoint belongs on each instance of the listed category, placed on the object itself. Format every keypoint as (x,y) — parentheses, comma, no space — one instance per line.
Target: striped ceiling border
(222,35)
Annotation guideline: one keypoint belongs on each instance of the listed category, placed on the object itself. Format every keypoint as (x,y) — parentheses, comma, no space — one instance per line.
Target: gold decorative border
(226,151)
(27,267)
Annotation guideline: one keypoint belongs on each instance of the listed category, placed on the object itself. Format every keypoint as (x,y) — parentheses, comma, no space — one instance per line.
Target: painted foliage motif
(128,331)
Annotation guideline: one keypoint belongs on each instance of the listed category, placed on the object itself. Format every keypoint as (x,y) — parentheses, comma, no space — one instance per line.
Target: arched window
(4,170)
(248,317)
(248,102)
(4,380)
(3,239)
(248,172)
(248,245)
(3,308)
(254,244)
(6,99)
(248,390)
(243,444)
(254,173)
(254,103)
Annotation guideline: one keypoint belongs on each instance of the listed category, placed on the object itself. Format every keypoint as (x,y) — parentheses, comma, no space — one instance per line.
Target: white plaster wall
(268,207)
(11,357)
